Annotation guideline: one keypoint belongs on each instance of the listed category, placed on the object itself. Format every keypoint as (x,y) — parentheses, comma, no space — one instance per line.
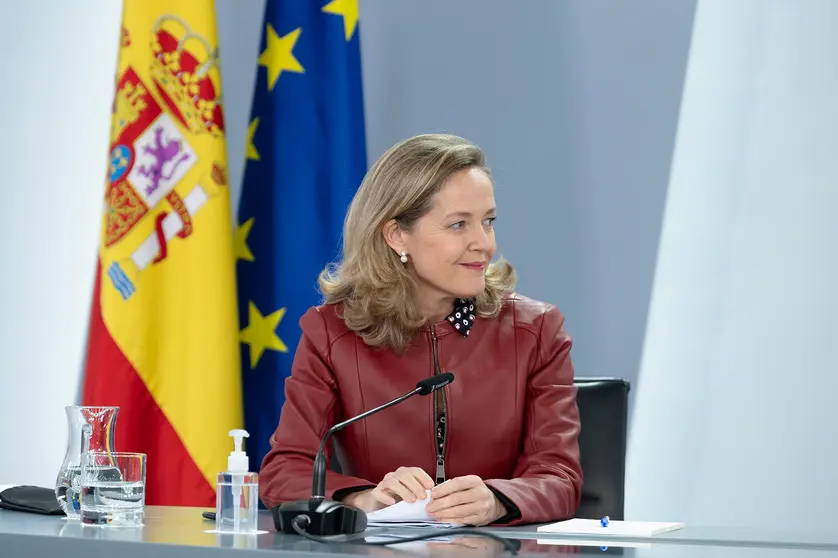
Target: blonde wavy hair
(377,296)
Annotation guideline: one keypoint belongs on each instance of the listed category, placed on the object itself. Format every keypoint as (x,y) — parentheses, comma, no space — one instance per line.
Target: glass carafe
(90,429)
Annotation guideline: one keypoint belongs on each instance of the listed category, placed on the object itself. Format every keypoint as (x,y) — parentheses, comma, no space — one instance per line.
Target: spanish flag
(163,342)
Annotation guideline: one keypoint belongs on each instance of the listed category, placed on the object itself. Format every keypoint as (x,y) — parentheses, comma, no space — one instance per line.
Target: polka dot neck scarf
(462,318)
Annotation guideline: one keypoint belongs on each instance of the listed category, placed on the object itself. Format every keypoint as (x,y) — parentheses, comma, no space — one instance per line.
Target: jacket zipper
(440,408)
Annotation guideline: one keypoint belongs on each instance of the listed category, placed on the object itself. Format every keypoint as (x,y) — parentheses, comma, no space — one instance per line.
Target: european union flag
(306,156)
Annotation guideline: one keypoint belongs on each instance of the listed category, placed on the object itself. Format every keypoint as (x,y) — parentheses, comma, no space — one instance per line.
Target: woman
(416,295)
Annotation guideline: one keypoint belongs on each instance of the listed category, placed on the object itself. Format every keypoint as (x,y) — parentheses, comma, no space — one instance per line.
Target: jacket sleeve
(547,481)
(312,406)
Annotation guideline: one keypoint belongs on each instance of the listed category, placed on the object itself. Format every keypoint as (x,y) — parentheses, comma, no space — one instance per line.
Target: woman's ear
(394,236)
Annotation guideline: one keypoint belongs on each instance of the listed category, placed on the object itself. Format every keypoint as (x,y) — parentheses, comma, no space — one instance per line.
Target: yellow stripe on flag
(168,293)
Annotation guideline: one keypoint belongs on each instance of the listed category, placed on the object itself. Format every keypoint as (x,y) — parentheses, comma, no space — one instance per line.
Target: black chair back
(603,414)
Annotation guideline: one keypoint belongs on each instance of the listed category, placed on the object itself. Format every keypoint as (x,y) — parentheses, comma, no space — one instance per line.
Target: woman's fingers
(405,483)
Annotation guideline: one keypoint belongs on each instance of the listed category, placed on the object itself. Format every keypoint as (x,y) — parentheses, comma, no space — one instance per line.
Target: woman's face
(450,248)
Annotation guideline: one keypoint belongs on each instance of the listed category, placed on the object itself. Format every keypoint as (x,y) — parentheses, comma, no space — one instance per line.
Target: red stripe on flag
(172,478)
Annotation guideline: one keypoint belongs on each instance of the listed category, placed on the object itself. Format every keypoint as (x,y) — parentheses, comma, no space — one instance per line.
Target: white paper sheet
(406,514)
(615,528)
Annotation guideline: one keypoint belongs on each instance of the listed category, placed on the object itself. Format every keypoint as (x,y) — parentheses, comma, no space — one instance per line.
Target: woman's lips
(474,266)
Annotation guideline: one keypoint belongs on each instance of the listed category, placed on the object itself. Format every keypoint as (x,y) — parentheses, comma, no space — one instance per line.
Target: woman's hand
(405,483)
(466,500)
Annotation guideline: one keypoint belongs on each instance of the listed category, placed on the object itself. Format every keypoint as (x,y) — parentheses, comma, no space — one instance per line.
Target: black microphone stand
(318,475)
(319,516)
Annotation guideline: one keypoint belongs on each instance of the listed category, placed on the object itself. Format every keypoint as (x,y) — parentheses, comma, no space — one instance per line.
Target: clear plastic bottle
(237,492)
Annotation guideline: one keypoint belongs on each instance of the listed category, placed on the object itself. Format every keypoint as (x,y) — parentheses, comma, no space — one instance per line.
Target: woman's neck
(436,309)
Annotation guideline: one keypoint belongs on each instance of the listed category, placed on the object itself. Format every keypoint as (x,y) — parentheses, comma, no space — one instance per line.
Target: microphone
(430,385)
(319,516)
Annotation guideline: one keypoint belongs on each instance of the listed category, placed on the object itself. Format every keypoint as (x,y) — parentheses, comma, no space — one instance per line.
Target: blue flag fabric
(306,156)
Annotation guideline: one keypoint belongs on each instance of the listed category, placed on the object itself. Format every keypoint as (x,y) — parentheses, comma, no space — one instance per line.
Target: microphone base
(324,517)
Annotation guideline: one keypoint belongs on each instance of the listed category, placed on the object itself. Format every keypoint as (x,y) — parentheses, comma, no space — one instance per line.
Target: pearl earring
(404,257)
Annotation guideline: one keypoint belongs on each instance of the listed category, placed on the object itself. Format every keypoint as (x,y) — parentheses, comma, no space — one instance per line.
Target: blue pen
(604,521)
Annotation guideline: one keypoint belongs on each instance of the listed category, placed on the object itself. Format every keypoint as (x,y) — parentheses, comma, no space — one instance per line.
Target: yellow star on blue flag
(306,156)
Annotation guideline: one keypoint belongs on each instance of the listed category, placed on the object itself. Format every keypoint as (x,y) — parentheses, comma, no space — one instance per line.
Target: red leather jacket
(511,412)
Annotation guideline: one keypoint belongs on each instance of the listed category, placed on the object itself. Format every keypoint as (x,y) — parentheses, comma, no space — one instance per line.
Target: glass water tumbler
(113,489)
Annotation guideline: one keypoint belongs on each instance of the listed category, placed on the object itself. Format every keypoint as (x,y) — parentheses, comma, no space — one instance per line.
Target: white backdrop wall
(575,102)
(735,417)
(57,73)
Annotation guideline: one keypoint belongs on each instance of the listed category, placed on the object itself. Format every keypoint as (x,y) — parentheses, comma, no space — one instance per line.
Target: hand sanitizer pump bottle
(237,492)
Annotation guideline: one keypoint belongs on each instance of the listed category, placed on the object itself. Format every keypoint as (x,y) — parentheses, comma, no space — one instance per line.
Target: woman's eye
(458,225)
(489,222)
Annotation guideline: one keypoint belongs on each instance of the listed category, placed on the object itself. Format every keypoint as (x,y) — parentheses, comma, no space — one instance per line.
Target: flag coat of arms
(163,342)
